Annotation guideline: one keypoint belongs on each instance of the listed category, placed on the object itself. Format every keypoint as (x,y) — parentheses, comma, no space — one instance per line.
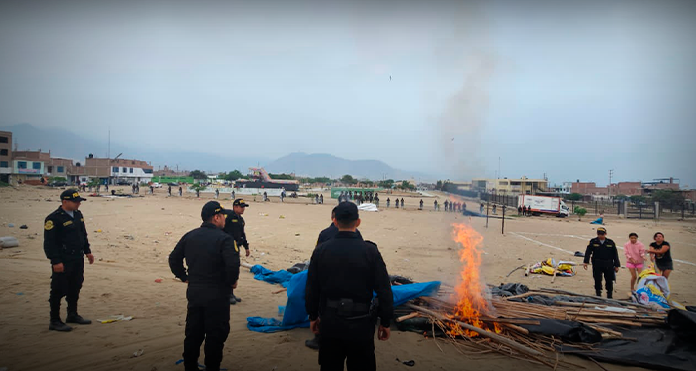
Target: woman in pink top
(635,255)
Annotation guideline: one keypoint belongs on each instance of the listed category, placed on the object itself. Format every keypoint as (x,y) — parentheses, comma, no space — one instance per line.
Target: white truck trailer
(544,205)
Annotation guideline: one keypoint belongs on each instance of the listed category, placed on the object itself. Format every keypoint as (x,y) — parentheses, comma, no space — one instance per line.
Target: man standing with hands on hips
(605,261)
(66,245)
(234,226)
(343,274)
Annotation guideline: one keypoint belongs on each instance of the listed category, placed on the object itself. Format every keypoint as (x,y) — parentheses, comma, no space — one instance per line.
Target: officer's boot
(313,343)
(73,317)
(56,324)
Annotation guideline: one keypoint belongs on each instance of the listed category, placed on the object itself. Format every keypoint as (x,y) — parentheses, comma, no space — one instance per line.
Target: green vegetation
(405,185)
(321,179)
(637,199)
(197,187)
(57,179)
(348,179)
(3,184)
(234,175)
(580,211)
(668,198)
(574,197)
(387,184)
(197,174)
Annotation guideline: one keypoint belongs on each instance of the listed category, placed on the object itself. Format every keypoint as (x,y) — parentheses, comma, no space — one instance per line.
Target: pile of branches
(503,330)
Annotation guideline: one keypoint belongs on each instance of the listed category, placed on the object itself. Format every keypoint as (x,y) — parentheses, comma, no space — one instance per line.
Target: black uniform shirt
(603,254)
(65,236)
(210,255)
(346,267)
(330,232)
(234,226)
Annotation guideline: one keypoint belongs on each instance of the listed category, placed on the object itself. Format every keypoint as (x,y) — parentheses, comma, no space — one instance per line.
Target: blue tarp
(263,274)
(598,221)
(296,316)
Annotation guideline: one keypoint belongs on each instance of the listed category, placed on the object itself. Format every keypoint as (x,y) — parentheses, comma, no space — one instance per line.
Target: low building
(29,165)
(588,188)
(119,170)
(6,164)
(507,186)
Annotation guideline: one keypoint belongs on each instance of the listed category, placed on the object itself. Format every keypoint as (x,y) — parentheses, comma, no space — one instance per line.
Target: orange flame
(471,302)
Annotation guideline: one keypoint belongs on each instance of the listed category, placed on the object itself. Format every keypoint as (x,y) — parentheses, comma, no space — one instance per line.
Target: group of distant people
(524,210)
(396,202)
(360,197)
(452,206)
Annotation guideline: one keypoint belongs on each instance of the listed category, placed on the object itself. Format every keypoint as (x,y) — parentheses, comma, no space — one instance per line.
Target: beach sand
(131,239)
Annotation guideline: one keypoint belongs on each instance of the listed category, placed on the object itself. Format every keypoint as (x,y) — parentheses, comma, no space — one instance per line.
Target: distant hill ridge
(322,164)
(66,144)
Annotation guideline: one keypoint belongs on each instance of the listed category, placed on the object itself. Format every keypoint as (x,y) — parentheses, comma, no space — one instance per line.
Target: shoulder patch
(49,225)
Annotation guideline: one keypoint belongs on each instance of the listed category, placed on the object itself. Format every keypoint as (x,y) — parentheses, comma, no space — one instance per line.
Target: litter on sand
(8,241)
(117,318)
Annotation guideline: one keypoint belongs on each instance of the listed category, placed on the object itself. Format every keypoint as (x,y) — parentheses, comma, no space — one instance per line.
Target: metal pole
(503,230)
(487,203)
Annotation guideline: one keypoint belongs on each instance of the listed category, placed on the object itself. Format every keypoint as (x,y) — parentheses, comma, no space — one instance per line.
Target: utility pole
(611,174)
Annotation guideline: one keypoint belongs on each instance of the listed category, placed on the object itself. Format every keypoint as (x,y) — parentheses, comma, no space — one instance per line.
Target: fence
(506,200)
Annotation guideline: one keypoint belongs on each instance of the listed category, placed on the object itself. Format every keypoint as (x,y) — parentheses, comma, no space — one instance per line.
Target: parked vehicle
(156,185)
(123,182)
(58,183)
(544,205)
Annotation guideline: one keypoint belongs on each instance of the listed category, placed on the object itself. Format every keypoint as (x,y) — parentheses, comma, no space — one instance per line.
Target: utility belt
(350,310)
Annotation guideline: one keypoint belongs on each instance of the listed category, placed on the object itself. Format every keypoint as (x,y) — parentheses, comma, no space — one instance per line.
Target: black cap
(212,208)
(71,195)
(240,202)
(346,212)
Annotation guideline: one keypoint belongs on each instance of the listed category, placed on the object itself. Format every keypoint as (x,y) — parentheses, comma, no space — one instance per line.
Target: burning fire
(471,302)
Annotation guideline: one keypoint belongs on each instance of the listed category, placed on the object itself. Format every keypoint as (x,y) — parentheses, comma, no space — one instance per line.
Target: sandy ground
(131,238)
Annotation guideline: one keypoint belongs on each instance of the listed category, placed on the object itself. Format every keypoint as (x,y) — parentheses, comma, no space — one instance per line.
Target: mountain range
(66,144)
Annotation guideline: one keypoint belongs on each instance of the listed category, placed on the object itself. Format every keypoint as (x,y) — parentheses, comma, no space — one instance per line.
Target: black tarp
(671,347)
(568,331)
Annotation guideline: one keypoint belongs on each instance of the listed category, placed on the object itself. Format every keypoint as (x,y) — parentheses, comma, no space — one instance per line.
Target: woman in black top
(660,250)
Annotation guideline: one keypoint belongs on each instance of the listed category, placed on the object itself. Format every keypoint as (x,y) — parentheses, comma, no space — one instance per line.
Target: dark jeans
(359,355)
(212,324)
(66,284)
(608,272)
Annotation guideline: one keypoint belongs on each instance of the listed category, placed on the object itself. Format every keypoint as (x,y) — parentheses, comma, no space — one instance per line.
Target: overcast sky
(567,88)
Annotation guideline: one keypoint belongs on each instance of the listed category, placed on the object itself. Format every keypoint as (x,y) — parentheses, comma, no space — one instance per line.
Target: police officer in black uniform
(234,226)
(343,274)
(605,261)
(213,269)
(66,245)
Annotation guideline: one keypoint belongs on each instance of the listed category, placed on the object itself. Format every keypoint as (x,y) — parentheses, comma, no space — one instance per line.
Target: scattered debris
(159,280)
(11,225)
(8,241)
(137,353)
(409,363)
(117,318)
(23,226)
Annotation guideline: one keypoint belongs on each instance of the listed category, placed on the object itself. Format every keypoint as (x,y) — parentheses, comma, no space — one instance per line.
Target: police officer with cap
(213,269)
(343,274)
(605,261)
(234,226)
(66,245)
